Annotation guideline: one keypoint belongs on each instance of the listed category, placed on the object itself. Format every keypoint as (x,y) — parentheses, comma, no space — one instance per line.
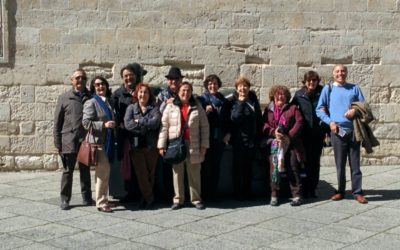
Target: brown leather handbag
(87,153)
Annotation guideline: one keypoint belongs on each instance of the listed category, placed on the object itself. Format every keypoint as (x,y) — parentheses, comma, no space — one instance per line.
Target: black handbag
(176,148)
(176,151)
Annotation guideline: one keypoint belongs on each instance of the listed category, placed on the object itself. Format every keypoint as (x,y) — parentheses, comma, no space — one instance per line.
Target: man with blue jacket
(334,109)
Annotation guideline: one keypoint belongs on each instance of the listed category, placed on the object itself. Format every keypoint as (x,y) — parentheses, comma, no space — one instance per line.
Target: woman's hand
(161,151)
(278,135)
(109,124)
(226,139)
(209,109)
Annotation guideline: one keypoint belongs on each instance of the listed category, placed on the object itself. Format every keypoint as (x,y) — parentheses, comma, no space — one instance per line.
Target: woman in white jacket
(196,135)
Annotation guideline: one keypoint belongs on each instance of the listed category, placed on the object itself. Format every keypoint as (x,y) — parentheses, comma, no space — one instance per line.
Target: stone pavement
(30,218)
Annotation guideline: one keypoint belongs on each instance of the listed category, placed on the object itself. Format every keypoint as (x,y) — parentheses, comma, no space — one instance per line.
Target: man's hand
(350,113)
(161,151)
(334,127)
(203,151)
(226,139)
(208,109)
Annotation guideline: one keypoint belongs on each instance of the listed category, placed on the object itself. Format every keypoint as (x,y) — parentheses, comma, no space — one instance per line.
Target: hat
(174,72)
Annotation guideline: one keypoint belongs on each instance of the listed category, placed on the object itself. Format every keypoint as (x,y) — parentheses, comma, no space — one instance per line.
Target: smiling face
(129,78)
(340,74)
(280,99)
(78,80)
(100,87)
(243,90)
(311,84)
(174,83)
(212,87)
(143,95)
(185,92)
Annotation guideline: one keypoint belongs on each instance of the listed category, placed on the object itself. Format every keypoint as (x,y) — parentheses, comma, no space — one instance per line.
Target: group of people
(290,132)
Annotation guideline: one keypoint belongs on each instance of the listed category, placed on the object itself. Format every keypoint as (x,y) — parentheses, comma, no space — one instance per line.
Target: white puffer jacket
(198,126)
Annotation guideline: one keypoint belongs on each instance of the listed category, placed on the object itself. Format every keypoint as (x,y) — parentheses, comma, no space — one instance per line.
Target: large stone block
(352,38)
(263,37)
(291,37)
(389,113)
(9,128)
(386,75)
(217,36)
(231,56)
(7,162)
(27,36)
(361,74)
(286,6)
(190,36)
(336,54)
(37,18)
(258,54)
(5,112)
(382,5)
(79,36)
(367,54)
(104,36)
(133,36)
(50,162)
(245,20)
(391,55)
(318,6)
(205,54)
(26,128)
(54,53)
(327,38)
(28,162)
(27,94)
(54,4)
(64,19)
(253,72)
(5,144)
(227,73)
(50,35)
(86,5)
(110,5)
(27,145)
(351,6)
(55,73)
(380,95)
(386,131)
(258,6)
(32,74)
(150,54)
(117,19)
(6,76)
(381,37)
(93,19)
(28,52)
(273,75)
(395,95)
(148,19)
(241,37)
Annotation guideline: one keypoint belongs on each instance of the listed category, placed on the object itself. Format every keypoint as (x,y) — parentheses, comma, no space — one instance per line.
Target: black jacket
(246,121)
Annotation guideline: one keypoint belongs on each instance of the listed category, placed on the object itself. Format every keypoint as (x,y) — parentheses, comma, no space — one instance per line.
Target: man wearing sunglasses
(68,134)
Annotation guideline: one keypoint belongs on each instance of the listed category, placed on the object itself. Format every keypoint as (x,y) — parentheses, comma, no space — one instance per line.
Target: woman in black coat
(313,132)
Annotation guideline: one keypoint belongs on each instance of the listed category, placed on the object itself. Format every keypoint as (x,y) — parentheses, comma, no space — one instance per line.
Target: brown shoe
(337,197)
(361,199)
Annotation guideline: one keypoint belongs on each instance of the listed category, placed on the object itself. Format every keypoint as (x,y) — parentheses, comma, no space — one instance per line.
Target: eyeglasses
(82,78)
(98,84)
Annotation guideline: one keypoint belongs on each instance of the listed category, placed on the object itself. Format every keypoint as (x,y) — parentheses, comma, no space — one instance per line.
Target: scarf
(109,143)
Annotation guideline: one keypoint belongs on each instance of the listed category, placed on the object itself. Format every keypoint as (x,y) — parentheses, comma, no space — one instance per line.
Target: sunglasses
(98,84)
(83,78)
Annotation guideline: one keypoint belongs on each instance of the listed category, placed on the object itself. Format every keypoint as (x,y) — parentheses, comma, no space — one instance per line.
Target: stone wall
(268,41)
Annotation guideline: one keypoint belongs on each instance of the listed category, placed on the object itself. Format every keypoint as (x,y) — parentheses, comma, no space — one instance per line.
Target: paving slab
(31,218)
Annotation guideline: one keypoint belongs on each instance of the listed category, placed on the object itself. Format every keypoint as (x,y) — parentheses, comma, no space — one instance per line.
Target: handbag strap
(90,133)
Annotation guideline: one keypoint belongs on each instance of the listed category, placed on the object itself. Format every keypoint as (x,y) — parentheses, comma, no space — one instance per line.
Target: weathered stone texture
(29,162)
(270,42)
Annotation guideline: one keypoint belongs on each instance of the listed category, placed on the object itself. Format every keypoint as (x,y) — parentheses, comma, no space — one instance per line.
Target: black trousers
(210,169)
(313,148)
(69,162)
(242,171)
